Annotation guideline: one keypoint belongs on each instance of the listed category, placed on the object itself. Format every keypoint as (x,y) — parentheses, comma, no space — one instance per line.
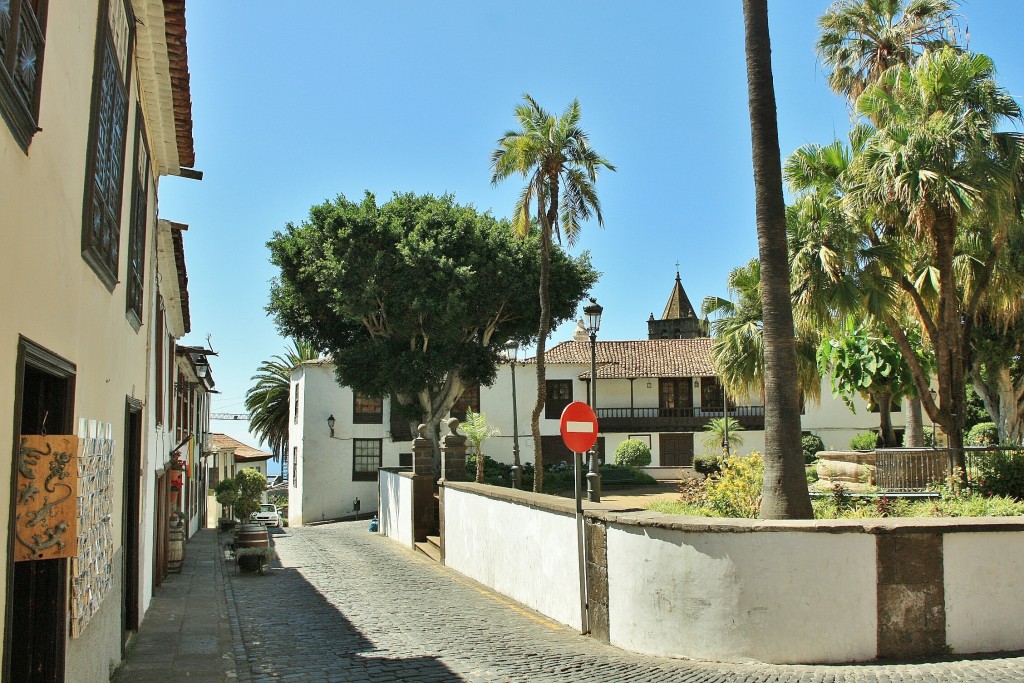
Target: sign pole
(581,545)
(578,427)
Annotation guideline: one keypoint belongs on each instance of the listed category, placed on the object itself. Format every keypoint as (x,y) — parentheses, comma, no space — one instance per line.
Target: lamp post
(512,356)
(725,417)
(593,312)
(330,424)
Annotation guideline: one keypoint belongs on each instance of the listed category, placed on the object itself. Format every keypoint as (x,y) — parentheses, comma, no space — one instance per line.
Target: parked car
(267,515)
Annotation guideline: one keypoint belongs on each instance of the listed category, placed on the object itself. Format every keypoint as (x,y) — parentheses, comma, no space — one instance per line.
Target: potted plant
(177,518)
(252,543)
(226,491)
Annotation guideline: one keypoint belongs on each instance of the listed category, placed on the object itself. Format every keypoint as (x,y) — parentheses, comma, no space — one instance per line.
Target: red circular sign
(578,427)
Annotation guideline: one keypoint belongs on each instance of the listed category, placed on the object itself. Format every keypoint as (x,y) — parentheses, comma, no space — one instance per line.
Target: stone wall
(801,591)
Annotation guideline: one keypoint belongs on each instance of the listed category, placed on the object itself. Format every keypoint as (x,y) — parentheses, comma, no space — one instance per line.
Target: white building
(662,390)
(95,109)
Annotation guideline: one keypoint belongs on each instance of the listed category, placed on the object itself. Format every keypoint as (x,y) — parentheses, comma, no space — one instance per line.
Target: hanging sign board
(578,427)
(46,517)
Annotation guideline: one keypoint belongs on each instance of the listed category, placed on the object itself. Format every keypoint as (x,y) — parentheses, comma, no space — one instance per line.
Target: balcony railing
(675,419)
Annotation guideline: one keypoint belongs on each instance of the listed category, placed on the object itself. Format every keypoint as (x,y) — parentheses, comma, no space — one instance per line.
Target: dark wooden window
(367,410)
(676,450)
(468,400)
(675,397)
(294,474)
(22,43)
(555,450)
(710,393)
(101,225)
(366,458)
(405,459)
(558,396)
(137,228)
(295,414)
(159,341)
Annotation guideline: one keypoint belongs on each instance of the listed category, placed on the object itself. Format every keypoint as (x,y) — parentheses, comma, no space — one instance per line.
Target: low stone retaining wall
(734,590)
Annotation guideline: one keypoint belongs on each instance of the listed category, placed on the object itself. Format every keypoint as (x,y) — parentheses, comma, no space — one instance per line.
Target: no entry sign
(578,427)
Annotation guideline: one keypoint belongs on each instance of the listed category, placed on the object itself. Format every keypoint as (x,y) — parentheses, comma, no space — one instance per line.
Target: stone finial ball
(453,425)
(422,429)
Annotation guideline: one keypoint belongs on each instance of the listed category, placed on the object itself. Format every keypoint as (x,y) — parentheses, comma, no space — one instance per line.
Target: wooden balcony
(644,420)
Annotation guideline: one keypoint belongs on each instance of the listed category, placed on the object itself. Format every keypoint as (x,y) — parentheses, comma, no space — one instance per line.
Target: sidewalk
(187,632)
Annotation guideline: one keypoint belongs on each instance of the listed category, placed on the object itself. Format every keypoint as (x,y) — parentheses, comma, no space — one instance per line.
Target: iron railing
(918,469)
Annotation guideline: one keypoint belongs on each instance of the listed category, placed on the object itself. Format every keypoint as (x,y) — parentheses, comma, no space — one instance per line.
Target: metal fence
(917,469)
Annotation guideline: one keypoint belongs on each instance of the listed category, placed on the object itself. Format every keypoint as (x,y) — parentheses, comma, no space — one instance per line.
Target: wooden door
(131,514)
(35,636)
(676,450)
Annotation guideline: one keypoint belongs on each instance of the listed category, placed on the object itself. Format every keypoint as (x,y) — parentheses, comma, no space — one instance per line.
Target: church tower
(678,321)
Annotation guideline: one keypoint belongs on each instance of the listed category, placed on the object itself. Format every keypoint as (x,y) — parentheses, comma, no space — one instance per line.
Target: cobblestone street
(343,604)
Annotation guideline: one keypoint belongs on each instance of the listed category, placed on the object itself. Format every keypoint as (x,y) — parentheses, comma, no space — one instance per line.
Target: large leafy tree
(863,362)
(267,400)
(554,155)
(861,39)
(785,485)
(938,166)
(415,297)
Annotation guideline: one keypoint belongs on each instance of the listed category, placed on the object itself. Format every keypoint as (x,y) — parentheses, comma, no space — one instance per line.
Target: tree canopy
(415,297)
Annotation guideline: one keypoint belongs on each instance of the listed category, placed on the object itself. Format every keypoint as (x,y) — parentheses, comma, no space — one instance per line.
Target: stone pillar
(453,454)
(423,500)
(422,453)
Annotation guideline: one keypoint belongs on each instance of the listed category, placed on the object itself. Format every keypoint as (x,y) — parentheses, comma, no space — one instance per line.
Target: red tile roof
(243,453)
(177,53)
(638,358)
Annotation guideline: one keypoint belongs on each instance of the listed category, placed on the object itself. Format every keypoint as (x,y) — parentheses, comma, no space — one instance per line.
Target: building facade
(662,390)
(95,104)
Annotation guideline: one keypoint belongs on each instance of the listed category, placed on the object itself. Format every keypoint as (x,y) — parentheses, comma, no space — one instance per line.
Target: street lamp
(330,424)
(593,314)
(512,356)
(725,423)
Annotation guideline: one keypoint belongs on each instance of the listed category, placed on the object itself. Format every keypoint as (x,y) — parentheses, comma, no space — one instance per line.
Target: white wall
(984,601)
(525,553)
(773,597)
(396,510)
(326,489)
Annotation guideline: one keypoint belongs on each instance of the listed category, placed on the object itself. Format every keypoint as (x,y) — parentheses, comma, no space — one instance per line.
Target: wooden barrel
(249,539)
(175,549)
(252,536)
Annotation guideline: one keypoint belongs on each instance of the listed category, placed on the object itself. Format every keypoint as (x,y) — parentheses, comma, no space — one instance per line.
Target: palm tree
(785,484)
(267,400)
(738,330)
(861,39)
(938,156)
(555,156)
(715,431)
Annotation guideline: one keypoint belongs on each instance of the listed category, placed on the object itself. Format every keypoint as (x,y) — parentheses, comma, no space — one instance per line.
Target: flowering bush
(736,491)
(982,434)
(999,473)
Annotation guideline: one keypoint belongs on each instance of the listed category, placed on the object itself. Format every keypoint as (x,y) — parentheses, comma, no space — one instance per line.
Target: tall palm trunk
(542,337)
(949,347)
(785,485)
(914,436)
(546,221)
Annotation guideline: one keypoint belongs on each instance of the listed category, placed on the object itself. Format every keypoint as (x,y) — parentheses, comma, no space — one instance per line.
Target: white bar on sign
(571,426)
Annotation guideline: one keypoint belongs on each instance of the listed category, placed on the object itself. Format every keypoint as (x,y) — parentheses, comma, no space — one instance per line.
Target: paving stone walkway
(342,604)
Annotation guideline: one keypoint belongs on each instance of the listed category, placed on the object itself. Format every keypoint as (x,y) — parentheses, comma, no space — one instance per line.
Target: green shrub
(618,475)
(736,492)
(496,473)
(811,444)
(865,441)
(707,464)
(632,453)
(811,472)
(998,473)
(983,434)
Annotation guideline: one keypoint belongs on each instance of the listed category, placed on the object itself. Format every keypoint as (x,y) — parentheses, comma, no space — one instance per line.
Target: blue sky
(294,107)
